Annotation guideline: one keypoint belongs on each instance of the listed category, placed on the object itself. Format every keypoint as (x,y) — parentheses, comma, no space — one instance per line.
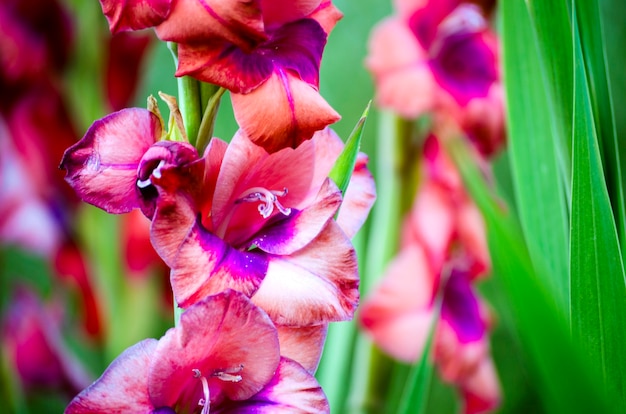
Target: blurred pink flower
(266,53)
(32,337)
(443,251)
(223,356)
(440,57)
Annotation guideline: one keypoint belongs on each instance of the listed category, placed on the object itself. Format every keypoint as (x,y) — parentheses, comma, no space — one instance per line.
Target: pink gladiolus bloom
(441,57)
(237,218)
(223,357)
(266,53)
(443,249)
(264,226)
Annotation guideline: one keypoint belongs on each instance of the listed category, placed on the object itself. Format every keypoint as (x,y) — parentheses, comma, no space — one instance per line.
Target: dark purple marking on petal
(460,308)
(296,47)
(465,66)
(163,410)
(206,265)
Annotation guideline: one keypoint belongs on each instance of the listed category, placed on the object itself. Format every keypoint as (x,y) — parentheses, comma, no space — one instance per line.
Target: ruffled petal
(292,390)
(283,112)
(481,391)
(123,387)
(102,167)
(398,314)
(358,199)
(410,92)
(225,334)
(303,344)
(205,265)
(239,22)
(291,233)
(315,285)
(134,14)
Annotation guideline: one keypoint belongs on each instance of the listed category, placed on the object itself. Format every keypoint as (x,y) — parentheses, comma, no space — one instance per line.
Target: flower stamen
(205,402)
(230,375)
(156,172)
(268,198)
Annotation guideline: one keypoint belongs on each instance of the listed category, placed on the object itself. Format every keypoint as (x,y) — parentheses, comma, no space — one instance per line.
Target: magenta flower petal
(296,47)
(292,390)
(466,66)
(134,14)
(222,337)
(461,310)
(279,12)
(315,285)
(206,265)
(291,233)
(102,167)
(123,387)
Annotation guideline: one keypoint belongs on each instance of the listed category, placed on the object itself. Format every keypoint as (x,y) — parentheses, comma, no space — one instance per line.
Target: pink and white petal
(102,166)
(224,334)
(392,47)
(481,391)
(279,12)
(238,22)
(206,265)
(123,387)
(358,199)
(292,390)
(315,285)
(432,222)
(471,231)
(327,15)
(134,14)
(290,234)
(410,92)
(283,112)
(398,313)
(303,344)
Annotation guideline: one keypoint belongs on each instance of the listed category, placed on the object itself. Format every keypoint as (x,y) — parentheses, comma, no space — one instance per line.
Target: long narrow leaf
(590,26)
(598,292)
(535,152)
(565,379)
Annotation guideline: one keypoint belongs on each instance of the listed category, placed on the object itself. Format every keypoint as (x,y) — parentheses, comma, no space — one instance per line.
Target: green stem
(210,112)
(189,100)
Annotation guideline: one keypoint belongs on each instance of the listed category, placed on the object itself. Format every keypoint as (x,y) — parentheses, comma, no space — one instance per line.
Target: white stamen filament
(205,402)
(269,198)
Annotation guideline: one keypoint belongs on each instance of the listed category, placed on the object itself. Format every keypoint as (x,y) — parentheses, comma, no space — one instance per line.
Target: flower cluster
(439,59)
(255,233)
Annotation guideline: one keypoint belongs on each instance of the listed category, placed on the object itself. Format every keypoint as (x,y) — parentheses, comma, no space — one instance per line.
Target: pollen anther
(268,198)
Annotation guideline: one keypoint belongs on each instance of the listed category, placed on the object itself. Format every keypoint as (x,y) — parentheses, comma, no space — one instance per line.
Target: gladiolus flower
(441,57)
(223,356)
(443,250)
(264,226)
(237,218)
(263,52)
